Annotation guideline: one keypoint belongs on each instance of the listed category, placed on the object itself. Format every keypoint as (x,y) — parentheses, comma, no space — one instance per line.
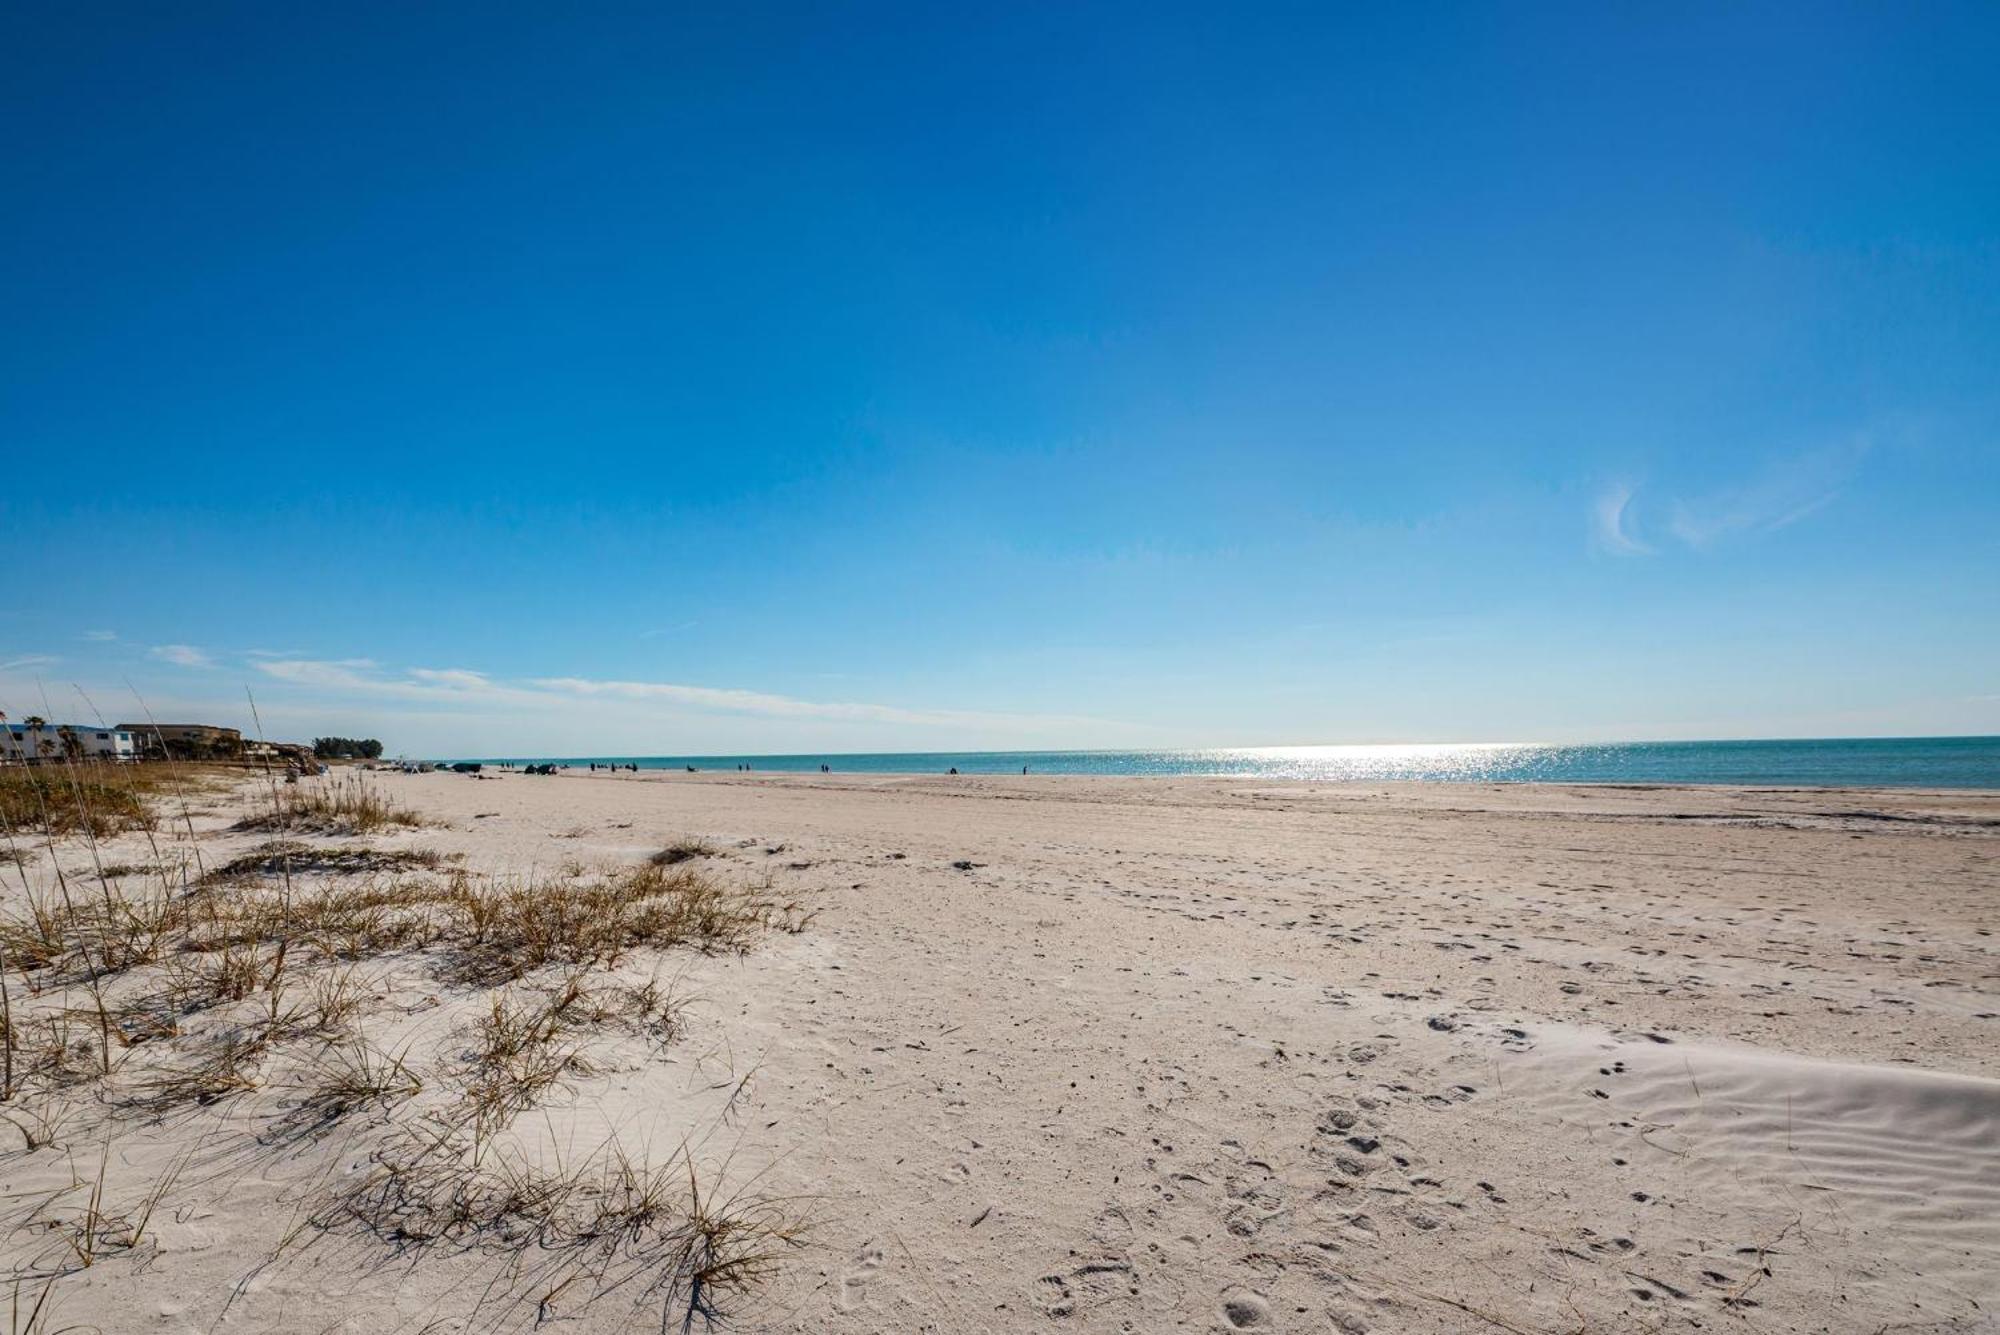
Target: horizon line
(1285,746)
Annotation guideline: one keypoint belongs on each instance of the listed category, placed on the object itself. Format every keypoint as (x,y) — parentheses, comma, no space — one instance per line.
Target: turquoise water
(1926,762)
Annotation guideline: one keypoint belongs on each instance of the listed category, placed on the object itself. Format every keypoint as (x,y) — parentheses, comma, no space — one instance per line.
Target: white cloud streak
(732,701)
(1613,524)
(464,679)
(344,673)
(466,687)
(181,655)
(1779,497)
(1785,492)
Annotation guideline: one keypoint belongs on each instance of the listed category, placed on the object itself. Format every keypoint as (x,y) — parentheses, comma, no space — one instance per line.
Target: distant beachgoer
(954,769)
(1024,769)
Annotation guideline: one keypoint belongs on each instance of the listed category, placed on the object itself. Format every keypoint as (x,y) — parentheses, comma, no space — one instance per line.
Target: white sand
(1211,1055)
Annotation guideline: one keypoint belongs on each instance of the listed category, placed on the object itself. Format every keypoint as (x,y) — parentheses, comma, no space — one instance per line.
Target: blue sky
(641,379)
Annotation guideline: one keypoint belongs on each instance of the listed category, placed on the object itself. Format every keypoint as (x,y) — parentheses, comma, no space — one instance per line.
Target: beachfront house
(37,742)
(281,753)
(186,741)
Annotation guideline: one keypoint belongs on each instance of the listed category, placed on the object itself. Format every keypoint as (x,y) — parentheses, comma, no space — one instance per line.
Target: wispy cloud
(100,636)
(1613,525)
(1779,497)
(1783,493)
(735,701)
(466,687)
(181,655)
(349,673)
(27,661)
(464,679)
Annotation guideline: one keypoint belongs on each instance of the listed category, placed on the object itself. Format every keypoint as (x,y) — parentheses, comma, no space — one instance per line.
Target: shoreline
(1691,785)
(1923,762)
(970,783)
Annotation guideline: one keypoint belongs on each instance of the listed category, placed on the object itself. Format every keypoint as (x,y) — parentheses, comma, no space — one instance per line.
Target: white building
(53,741)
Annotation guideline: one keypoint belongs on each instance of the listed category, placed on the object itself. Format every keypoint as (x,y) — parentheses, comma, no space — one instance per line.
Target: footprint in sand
(1113,1227)
(1056,1297)
(1088,1285)
(854,1284)
(1243,1309)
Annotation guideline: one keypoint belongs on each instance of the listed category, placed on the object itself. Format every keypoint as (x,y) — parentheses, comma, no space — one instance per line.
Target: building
(282,753)
(45,742)
(186,741)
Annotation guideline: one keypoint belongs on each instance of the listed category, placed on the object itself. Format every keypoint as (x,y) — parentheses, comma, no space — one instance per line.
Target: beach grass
(159,990)
(687,848)
(80,798)
(342,804)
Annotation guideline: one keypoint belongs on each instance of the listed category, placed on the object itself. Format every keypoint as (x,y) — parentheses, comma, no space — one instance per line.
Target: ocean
(1923,762)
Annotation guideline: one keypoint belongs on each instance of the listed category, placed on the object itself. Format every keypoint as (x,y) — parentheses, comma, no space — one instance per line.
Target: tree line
(347,748)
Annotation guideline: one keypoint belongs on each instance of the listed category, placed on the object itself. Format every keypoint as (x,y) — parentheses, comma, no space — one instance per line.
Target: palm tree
(32,726)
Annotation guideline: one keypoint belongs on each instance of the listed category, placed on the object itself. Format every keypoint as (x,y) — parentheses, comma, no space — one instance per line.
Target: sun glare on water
(1408,760)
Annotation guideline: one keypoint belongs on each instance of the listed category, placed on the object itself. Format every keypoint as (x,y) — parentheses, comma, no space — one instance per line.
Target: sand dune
(1889,1160)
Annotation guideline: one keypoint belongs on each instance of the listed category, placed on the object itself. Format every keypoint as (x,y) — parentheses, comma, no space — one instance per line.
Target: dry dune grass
(684,849)
(296,857)
(158,993)
(344,804)
(85,1226)
(150,958)
(610,1223)
(513,929)
(601,1223)
(100,800)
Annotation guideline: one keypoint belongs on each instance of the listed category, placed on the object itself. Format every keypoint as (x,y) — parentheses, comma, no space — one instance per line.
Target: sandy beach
(1108,1055)
(1001,670)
